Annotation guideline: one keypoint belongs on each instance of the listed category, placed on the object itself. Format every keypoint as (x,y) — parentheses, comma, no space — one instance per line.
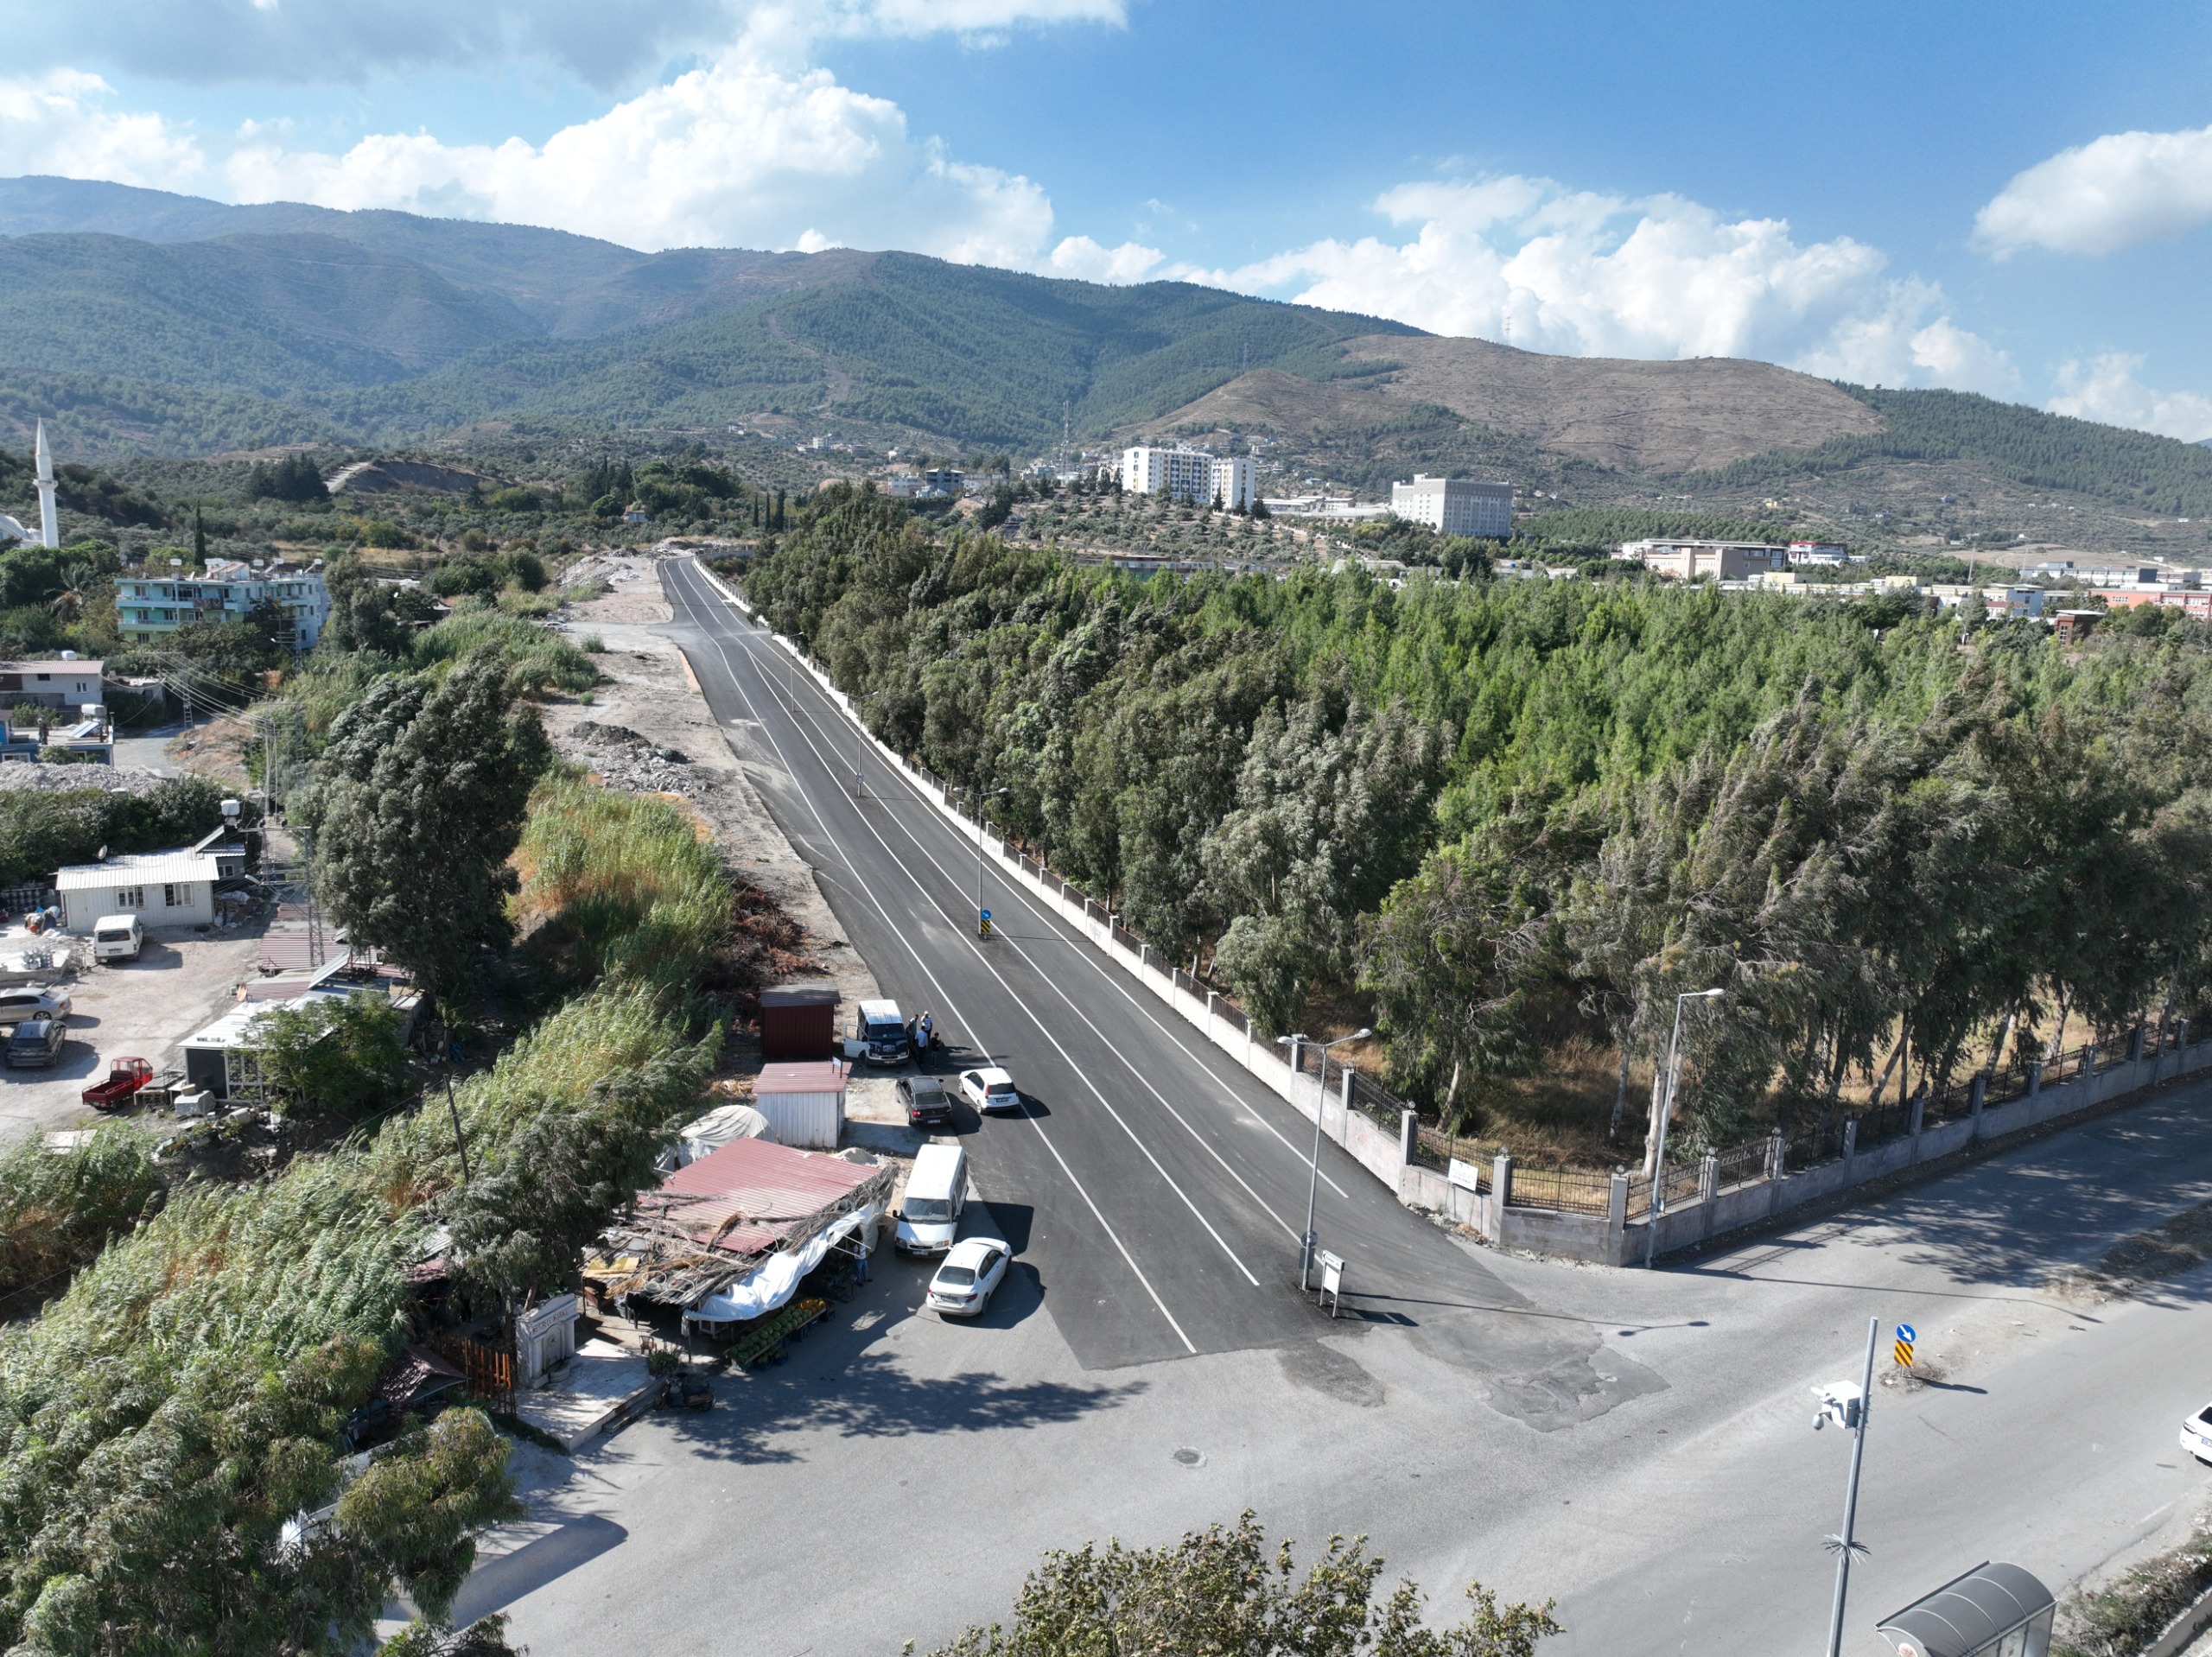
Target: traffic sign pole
(1906,1336)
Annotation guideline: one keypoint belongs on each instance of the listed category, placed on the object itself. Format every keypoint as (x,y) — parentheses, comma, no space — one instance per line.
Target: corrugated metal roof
(133,871)
(795,996)
(810,1075)
(744,1197)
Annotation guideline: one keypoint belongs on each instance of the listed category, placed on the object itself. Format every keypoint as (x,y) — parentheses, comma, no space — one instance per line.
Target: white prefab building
(1190,474)
(805,1103)
(63,682)
(161,888)
(1455,506)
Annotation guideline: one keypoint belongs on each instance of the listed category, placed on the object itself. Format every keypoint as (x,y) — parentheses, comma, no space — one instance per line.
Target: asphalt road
(1637,1444)
(1156,1193)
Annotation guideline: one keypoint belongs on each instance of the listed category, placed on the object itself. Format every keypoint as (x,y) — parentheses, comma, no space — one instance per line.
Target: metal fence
(1575,1190)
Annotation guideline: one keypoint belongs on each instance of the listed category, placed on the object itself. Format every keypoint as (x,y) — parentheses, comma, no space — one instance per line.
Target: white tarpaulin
(776,1280)
(715,1129)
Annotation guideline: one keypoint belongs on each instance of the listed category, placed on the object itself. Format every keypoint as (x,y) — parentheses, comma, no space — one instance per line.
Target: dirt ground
(182,983)
(648,706)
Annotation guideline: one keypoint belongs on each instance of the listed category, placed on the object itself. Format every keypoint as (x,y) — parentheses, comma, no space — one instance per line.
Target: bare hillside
(1653,416)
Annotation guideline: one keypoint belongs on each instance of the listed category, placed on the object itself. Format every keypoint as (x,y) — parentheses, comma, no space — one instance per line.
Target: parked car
(33,1002)
(37,1043)
(990,1088)
(971,1273)
(2196,1435)
(881,1034)
(925,1100)
(124,1078)
(118,937)
(928,1212)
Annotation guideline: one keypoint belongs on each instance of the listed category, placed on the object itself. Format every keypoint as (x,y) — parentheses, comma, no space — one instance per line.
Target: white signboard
(1466,1175)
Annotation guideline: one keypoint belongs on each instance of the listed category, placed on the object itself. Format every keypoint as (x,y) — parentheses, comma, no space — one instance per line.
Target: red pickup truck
(124,1078)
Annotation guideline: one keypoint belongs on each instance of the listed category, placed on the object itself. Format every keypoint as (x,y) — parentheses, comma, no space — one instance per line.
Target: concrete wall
(1606,1238)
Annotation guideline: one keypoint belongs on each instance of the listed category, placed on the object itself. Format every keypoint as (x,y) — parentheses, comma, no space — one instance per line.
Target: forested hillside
(135,321)
(1514,814)
(2046,451)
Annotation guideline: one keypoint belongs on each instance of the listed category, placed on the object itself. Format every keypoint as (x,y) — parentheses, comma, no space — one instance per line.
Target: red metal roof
(747,1196)
(811,1076)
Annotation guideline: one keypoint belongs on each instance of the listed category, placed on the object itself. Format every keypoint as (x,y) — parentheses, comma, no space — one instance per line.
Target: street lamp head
(1285,1041)
(1360,1034)
(1705,994)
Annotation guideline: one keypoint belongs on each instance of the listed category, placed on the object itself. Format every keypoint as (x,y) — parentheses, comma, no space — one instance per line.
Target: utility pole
(1666,1109)
(1850,1413)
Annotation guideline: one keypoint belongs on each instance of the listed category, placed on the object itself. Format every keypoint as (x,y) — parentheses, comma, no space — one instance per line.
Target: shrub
(538,660)
(58,1210)
(342,1061)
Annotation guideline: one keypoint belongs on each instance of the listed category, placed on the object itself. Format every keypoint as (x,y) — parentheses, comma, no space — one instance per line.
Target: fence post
(2089,1061)
(1144,956)
(1919,1111)
(1500,1182)
(1408,1137)
(1709,1177)
(1344,1081)
(1850,1137)
(1777,1154)
(2135,1044)
(1213,995)
(1617,1203)
(2035,1077)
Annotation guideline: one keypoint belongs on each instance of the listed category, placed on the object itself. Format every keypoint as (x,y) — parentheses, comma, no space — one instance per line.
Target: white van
(118,937)
(880,1033)
(929,1213)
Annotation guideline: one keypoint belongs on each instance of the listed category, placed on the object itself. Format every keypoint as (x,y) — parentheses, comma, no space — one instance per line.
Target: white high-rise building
(1190,474)
(1454,506)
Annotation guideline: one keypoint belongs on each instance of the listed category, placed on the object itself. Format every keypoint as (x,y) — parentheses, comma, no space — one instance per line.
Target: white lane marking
(951,1005)
(1133,1068)
(1043,1029)
(1128,996)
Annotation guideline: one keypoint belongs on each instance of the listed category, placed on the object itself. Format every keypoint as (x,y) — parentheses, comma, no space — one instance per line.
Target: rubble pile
(626,760)
(62,779)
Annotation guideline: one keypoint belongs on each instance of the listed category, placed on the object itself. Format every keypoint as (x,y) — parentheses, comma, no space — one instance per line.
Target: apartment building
(1455,506)
(149,608)
(1690,561)
(1190,474)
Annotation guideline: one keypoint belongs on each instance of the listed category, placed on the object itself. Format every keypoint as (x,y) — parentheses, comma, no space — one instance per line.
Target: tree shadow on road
(872,1397)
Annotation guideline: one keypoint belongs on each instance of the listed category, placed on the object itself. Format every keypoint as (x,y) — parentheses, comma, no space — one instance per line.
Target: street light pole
(1666,1110)
(1306,1243)
(1843,1545)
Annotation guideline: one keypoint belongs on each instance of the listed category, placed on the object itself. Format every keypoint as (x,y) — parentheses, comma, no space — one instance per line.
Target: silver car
(34,1001)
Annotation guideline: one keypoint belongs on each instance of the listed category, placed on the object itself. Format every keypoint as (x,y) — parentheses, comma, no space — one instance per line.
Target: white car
(2196,1435)
(990,1088)
(963,1284)
(21,1006)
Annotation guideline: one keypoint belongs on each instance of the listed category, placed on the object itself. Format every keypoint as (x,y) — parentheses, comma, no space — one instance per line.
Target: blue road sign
(1905,1333)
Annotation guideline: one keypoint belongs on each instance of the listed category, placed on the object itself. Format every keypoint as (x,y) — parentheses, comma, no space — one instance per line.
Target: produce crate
(763,1343)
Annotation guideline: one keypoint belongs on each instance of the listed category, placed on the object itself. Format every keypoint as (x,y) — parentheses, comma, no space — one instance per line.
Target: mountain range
(137,320)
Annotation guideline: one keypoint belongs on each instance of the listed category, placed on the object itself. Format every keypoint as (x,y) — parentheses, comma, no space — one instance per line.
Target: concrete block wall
(1602,1238)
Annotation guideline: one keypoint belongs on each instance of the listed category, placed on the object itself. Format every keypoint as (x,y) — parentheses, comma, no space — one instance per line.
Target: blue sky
(2014,198)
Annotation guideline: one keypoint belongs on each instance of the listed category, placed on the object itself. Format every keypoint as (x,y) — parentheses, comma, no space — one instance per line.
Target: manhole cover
(1188,1457)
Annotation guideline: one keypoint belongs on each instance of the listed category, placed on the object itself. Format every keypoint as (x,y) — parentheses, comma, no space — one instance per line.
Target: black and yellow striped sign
(1906,1336)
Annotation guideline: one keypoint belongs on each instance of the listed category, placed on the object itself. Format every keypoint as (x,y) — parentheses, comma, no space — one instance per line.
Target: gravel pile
(62,779)
(630,761)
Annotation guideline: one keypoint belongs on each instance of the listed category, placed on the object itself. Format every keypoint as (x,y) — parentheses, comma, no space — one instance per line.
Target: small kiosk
(1995,1610)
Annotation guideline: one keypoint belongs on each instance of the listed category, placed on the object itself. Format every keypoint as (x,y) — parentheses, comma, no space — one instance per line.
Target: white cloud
(2105,388)
(735,154)
(609,44)
(2118,190)
(1594,276)
(1081,257)
(59,123)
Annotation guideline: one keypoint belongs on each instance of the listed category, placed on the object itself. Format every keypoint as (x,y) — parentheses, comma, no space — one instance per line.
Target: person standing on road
(922,1035)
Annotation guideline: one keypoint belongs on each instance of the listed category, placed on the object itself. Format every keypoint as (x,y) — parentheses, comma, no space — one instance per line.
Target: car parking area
(181,983)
